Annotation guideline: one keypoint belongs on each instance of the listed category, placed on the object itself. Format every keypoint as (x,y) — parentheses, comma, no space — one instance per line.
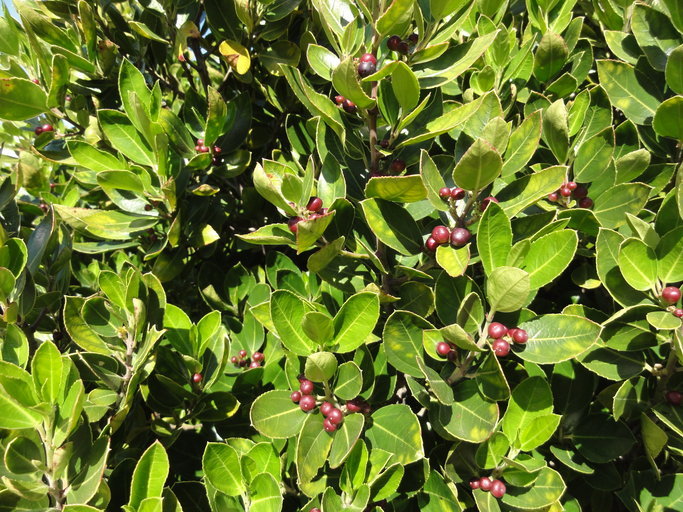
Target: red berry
(204,149)
(325,408)
(565,191)
(349,106)
(354,406)
(328,425)
(217,149)
(572,185)
(520,336)
(501,348)
(397,166)
(198,148)
(674,397)
(671,294)
(233,360)
(335,416)
(485,202)
(368,57)
(485,483)
(38,130)
(553,196)
(498,489)
(579,192)
(444,192)
(474,483)
(384,143)
(339,99)
(497,330)
(457,193)
(441,234)
(242,353)
(431,244)
(443,348)
(412,38)
(403,48)
(460,236)
(678,312)
(47,128)
(314,204)
(586,202)
(295,396)
(200,142)
(35,81)
(292,224)
(366,69)
(307,403)
(197,378)
(314,510)
(257,356)
(393,42)
(306,387)
(254,364)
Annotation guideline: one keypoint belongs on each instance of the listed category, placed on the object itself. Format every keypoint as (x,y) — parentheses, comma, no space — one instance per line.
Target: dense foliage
(362,255)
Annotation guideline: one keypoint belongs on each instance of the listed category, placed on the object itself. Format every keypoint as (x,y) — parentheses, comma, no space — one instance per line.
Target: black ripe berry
(393,42)
(349,106)
(585,202)
(366,69)
(397,166)
(431,244)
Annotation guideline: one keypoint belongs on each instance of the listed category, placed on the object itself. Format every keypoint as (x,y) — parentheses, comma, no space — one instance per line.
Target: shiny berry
(474,483)
(431,244)
(443,348)
(457,193)
(349,106)
(579,192)
(314,204)
(307,403)
(325,408)
(403,48)
(292,224)
(254,364)
(412,39)
(674,397)
(460,236)
(519,336)
(148,207)
(197,378)
(47,128)
(354,406)
(485,483)
(366,69)
(393,42)
(335,416)
(306,387)
(38,130)
(242,353)
(585,202)
(397,165)
(217,150)
(486,202)
(205,149)
(678,312)
(295,396)
(441,234)
(452,356)
(198,148)
(368,57)
(497,330)
(200,142)
(444,192)
(339,99)
(671,294)
(565,191)
(328,426)
(501,348)
(257,356)
(572,185)
(498,489)
(233,360)
(35,81)
(553,196)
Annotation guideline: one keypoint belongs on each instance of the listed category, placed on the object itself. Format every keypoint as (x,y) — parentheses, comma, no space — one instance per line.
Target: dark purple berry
(368,57)
(485,483)
(325,408)
(393,43)
(329,426)
(585,202)
(460,236)
(366,69)
(431,244)
(498,489)
(335,416)
(306,387)
(486,202)
(457,193)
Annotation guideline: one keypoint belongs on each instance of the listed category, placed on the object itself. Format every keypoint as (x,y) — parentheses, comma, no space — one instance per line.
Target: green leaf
(549,255)
(131,80)
(349,381)
(331,183)
(556,338)
(17,395)
(215,120)
(21,99)
(668,122)
(670,256)
(663,320)
(674,70)
(401,189)
(313,446)
(92,158)
(432,180)
(471,417)
(623,85)
(403,341)
(320,367)
(322,61)
(287,313)
(655,34)
(546,490)
(345,439)
(593,156)
(494,238)
(124,137)
(221,466)
(46,368)
(479,166)
(550,56)
(274,415)
(405,87)
(393,225)
(528,189)
(439,387)
(395,17)
(271,234)
(654,438)
(530,399)
(607,251)
(638,264)
(106,224)
(612,205)
(507,289)
(345,81)
(355,321)
(522,145)
(601,439)
(453,261)
(309,231)
(265,494)
(405,445)
(491,452)
(556,130)
(149,475)
(318,326)
(85,484)
(538,431)
(491,379)
(177,134)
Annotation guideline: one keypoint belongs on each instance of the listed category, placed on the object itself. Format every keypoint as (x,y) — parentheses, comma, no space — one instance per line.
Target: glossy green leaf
(507,289)
(549,256)
(453,261)
(124,137)
(546,490)
(287,312)
(393,225)
(401,189)
(478,167)
(402,338)
(638,264)
(522,145)
(471,417)
(355,321)
(21,99)
(494,238)
(274,415)
(550,56)
(221,466)
(624,86)
(405,445)
(345,438)
(556,338)
(313,446)
(667,121)
(149,475)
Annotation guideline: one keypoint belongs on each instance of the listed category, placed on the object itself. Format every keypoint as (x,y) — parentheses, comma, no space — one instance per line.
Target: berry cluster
(446,350)
(674,397)
(496,487)
(44,129)
(242,360)
(498,331)
(454,193)
(348,105)
(333,415)
(574,190)
(367,65)
(314,210)
(402,46)
(201,148)
(441,235)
